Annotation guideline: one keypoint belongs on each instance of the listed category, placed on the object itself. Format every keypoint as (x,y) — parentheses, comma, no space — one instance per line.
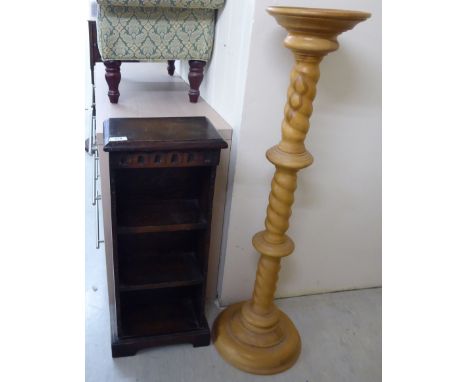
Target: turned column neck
(309,48)
(289,156)
(298,109)
(265,286)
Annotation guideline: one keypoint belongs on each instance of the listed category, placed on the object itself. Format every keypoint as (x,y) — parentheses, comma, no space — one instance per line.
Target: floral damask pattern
(155,33)
(213,4)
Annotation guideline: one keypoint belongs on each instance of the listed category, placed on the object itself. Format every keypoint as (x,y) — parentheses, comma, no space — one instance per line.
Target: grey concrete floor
(341,335)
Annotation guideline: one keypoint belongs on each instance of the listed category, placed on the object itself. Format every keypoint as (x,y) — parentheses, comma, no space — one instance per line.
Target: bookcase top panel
(168,133)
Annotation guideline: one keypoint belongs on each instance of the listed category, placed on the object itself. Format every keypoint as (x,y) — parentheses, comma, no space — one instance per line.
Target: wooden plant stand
(255,336)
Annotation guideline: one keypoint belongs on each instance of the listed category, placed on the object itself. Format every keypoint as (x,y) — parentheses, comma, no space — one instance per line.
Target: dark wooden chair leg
(113,79)
(170,67)
(195,78)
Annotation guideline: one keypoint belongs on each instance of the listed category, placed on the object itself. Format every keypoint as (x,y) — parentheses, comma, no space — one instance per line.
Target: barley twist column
(255,335)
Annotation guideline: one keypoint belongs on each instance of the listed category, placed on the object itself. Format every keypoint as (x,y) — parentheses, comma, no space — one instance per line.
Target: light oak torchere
(255,336)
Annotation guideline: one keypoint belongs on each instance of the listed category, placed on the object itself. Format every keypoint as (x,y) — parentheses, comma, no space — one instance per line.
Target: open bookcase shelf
(158,312)
(154,272)
(164,215)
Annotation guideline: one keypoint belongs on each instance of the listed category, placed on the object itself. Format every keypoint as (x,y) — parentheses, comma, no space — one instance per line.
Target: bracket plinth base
(253,359)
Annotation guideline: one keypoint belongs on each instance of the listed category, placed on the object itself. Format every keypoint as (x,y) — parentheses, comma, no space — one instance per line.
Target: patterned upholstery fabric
(152,33)
(213,4)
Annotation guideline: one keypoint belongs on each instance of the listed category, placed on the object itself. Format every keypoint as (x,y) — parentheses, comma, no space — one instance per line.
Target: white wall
(336,222)
(223,87)
(225,74)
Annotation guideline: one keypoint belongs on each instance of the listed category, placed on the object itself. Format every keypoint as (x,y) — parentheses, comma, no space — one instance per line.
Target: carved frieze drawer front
(165,159)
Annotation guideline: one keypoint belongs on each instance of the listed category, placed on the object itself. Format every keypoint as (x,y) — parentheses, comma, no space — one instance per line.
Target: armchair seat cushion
(152,34)
(203,4)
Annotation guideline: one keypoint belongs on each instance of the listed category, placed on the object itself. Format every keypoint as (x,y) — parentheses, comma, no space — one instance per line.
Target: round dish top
(336,14)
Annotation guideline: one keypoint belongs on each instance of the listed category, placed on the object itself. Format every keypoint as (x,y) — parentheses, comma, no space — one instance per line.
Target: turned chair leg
(113,79)
(195,78)
(170,67)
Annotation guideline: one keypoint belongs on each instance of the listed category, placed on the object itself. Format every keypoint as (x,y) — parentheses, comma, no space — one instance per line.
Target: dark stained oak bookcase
(162,173)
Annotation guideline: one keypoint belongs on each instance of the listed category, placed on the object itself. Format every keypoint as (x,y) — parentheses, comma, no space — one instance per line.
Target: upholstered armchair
(156,30)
